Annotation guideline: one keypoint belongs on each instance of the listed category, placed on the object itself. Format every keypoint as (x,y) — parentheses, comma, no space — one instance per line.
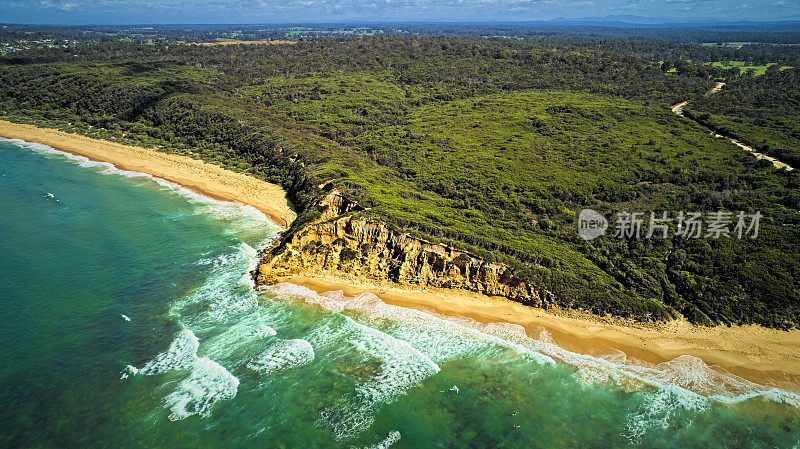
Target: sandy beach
(762,355)
(766,356)
(202,177)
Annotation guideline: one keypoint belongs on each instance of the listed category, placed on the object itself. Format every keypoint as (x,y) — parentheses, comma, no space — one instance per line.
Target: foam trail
(243,218)
(228,291)
(182,354)
(387,368)
(265,331)
(438,338)
(659,409)
(686,372)
(283,355)
(208,382)
(443,338)
(390,439)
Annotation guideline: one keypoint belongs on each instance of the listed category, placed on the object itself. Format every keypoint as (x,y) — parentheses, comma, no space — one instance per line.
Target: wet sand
(202,177)
(765,356)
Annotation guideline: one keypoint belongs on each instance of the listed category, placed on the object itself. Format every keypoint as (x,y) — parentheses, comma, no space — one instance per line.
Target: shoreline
(762,355)
(765,356)
(202,177)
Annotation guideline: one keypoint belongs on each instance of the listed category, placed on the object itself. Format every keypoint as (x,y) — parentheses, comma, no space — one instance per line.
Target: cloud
(66,5)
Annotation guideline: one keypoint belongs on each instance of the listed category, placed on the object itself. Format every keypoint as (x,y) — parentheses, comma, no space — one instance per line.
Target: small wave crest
(264,331)
(283,355)
(182,354)
(227,291)
(387,442)
(439,338)
(383,368)
(244,220)
(208,382)
(443,337)
(659,410)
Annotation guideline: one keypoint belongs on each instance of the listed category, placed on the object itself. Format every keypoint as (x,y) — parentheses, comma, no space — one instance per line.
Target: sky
(111,12)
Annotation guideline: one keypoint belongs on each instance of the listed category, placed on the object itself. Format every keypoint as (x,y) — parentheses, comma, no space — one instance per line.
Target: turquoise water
(206,362)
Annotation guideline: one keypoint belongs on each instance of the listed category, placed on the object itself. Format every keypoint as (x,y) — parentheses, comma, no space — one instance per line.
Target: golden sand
(762,355)
(759,354)
(202,177)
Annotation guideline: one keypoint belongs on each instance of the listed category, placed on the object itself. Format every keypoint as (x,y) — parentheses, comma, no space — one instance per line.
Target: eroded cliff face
(367,248)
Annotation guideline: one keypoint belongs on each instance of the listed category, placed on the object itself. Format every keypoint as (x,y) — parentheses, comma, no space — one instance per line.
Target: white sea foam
(686,372)
(182,354)
(283,355)
(387,442)
(659,409)
(244,219)
(207,383)
(264,331)
(227,291)
(667,388)
(220,261)
(385,369)
(402,367)
(442,338)
(225,307)
(382,367)
(227,297)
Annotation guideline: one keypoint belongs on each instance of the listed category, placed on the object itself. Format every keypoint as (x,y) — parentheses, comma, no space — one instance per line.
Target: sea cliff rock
(369,249)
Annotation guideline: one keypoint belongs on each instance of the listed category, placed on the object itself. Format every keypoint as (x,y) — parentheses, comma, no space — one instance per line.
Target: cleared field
(236,42)
(743,67)
(725,44)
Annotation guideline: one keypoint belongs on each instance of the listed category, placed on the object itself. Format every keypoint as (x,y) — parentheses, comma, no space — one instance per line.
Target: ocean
(128,320)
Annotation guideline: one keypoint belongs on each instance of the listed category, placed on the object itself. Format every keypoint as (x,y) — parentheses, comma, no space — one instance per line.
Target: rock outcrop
(353,245)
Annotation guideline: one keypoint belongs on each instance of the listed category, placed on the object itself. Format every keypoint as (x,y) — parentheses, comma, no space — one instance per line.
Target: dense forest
(488,144)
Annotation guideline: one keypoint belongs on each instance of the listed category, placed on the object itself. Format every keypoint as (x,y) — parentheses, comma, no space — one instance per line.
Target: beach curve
(765,356)
(759,354)
(202,177)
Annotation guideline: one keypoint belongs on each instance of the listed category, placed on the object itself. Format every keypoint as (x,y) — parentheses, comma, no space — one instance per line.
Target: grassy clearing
(743,67)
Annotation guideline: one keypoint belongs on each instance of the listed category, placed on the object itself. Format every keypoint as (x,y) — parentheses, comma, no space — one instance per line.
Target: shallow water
(206,362)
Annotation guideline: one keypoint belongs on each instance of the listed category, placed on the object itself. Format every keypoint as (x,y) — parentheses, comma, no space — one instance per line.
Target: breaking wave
(207,383)
(283,355)
(387,442)
(382,367)
(443,338)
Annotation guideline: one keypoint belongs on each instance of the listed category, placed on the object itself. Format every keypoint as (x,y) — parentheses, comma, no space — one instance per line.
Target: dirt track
(677,108)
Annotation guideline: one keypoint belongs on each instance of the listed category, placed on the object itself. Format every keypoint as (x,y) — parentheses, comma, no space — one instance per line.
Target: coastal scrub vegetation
(491,145)
(761,111)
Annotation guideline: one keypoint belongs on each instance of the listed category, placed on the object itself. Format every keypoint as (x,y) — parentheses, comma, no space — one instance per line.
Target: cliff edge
(340,242)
